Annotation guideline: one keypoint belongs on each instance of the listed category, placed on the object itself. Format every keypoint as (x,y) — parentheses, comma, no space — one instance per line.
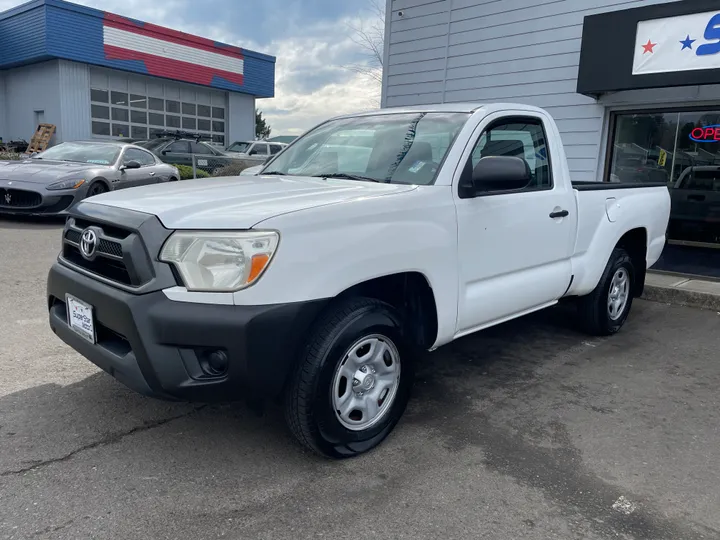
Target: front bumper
(157,346)
(28,199)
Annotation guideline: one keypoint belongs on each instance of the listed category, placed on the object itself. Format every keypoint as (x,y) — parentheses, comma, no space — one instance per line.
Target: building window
(100,96)
(120,114)
(120,130)
(119,98)
(156,104)
(101,128)
(172,106)
(680,149)
(98,111)
(138,102)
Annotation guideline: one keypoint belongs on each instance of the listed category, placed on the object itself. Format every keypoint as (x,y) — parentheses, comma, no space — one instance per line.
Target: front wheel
(353,381)
(604,311)
(96,189)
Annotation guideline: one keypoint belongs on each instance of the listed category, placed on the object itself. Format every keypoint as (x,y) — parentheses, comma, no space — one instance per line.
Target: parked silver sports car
(52,181)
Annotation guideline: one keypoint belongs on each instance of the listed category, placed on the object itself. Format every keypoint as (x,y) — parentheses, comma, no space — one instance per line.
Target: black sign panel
(608,47)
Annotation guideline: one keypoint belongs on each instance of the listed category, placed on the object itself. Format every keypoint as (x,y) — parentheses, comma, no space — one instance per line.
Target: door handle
(561,213)
(698,198)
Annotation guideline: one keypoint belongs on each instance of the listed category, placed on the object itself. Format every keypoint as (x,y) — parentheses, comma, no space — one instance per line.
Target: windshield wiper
(348,177)
(277,173)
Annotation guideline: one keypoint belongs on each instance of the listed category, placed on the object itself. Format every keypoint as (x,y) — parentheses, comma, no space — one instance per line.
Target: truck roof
(445,107)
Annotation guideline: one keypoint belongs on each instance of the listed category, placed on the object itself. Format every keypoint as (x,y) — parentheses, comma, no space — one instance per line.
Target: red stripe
(173,36)
(173,69)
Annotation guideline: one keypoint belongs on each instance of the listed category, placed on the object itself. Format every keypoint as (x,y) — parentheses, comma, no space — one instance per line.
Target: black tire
(309,409)
(173,179)
(593,309)
(96,188)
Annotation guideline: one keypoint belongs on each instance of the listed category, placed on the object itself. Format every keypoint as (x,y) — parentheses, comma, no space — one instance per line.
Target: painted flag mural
(171,54)
(684,43)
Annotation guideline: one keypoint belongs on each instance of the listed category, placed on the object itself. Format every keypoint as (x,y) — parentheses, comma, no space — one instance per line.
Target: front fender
(326,250)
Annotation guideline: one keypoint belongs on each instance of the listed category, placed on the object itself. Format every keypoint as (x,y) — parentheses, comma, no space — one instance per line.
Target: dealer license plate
(80,318)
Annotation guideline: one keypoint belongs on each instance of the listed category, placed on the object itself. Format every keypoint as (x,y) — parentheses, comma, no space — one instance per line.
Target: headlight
(219,261)
(67,184)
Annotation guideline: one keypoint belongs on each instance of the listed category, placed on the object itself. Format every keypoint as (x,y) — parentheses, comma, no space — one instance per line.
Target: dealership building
(97,75)
(634,86)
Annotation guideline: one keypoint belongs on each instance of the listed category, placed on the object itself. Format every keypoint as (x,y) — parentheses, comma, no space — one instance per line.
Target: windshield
(240,147)
(403,148)
(101,154)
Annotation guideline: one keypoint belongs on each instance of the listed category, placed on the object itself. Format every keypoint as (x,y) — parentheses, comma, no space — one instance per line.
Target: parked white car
(321,284)
(260,150)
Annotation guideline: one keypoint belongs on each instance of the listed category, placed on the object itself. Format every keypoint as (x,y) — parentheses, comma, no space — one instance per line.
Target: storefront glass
(681,149)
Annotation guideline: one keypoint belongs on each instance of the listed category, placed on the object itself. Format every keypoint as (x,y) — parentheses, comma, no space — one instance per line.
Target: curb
(682,291)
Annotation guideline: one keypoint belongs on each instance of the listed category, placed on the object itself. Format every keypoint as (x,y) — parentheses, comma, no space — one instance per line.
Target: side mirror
(131,165)
(500,173)
(164,152)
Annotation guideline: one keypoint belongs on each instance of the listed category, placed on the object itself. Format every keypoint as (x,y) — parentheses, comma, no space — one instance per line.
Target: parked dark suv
(179,149)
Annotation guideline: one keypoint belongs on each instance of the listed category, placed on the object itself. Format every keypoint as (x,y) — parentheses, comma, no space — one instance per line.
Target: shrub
(10,156)
(186,172)
(233,169)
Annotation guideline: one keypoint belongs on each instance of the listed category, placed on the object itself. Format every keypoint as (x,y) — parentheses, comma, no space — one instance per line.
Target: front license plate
(80,318)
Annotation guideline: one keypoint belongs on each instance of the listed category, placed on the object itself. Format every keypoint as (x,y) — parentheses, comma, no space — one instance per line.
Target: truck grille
(19,198)
(112,255)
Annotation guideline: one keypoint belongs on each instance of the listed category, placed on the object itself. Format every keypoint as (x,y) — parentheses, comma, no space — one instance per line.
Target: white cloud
(310,55)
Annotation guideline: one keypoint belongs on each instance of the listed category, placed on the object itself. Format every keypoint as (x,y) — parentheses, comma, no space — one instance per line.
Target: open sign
(706,134)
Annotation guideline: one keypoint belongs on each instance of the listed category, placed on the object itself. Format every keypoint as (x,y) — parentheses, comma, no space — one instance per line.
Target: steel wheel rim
(366,382)
(618,294)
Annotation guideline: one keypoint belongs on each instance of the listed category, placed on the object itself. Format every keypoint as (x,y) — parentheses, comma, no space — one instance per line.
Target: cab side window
(178,147)
(259,150)
(200,148)
(518,137)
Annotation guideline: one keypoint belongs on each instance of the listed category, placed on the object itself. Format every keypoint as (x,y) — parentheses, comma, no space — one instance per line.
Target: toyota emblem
(8,198)
(88,243)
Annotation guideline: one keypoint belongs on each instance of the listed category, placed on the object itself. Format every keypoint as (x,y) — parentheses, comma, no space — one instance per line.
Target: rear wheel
(353,381)
(604,311)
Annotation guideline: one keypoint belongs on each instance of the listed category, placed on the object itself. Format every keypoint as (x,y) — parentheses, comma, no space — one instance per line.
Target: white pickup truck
(320,279)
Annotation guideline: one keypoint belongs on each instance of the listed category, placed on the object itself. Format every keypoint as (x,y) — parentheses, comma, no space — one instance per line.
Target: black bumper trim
(154,345)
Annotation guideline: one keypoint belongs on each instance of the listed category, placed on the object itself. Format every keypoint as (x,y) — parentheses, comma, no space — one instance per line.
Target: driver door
(514,246)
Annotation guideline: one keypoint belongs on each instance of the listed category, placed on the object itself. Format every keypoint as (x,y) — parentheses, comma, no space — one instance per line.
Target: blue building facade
(95,74)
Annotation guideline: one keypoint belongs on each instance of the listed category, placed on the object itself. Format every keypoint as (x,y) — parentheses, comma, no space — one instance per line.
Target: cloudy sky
(312,40)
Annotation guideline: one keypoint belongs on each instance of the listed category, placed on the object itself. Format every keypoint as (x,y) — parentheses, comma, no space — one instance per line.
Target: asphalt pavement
(526,431)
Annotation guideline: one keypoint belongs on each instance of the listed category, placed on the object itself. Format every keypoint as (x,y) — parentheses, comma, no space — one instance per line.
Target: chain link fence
(213,166)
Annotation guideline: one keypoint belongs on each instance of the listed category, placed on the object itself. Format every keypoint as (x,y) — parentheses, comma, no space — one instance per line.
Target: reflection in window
(680,149)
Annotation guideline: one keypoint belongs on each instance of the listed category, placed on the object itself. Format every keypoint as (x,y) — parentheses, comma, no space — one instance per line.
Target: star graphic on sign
(687,43)
(648,47)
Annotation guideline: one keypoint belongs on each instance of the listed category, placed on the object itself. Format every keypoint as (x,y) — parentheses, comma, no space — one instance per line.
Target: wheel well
(411,294)
(635,243)
(100,180)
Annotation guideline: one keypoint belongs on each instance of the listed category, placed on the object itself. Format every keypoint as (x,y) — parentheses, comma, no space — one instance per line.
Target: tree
(370,37)
(262,128)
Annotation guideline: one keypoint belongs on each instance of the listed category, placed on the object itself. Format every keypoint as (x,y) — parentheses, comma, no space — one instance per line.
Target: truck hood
(38,171)
(240,202)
